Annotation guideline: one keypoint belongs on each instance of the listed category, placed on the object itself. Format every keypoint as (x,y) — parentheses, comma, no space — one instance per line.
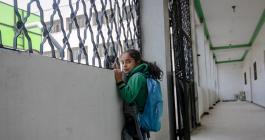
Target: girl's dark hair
(154,70)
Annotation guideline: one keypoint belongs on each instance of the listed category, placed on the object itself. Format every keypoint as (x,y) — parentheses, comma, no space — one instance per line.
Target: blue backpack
(150,119)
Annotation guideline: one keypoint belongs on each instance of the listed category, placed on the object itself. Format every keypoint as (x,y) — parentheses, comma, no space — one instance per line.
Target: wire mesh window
(75,52)
(71,30)
(182,43)
(105,19)
(128,12)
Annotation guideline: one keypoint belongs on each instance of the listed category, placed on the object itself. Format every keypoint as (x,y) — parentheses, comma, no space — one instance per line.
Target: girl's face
(128,63)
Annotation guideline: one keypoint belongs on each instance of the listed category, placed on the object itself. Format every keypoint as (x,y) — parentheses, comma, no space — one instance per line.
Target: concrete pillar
(156,47)
(202,67)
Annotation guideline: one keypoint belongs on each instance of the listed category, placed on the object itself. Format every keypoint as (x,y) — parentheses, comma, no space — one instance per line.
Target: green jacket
(135,89)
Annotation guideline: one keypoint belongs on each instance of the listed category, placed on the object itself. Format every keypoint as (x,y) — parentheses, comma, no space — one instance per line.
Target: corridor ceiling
(232,26)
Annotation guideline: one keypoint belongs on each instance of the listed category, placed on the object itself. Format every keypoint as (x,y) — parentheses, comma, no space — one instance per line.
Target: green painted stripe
(255,34)
(244,55)
(206,31)
(1,43)
(3,24)
(228,61)
(198,9)
(214,57)
(258,27)
(236,60)
(231,47)
(1,2)
(200,14)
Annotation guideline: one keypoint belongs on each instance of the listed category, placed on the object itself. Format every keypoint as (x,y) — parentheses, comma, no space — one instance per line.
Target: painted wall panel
(256,54)
(230,80)
(48,99)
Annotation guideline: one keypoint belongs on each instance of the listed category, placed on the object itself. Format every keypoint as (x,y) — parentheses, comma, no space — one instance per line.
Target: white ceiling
(229,54)
(227,27)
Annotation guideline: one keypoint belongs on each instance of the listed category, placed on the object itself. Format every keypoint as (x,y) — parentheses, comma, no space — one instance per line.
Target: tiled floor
(232,121)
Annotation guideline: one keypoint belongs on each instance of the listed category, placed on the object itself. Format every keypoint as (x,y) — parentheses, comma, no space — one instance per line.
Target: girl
(133,90)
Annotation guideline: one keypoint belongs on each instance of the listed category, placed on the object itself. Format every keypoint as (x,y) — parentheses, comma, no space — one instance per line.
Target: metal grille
(180,18)
(100,29)
(182,52)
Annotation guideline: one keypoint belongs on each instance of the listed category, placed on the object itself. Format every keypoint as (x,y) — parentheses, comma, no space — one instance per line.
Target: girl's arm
(130,90)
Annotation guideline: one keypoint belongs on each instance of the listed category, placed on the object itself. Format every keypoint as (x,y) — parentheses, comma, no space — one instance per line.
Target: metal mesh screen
(92,32)
(182,43)
(183,63)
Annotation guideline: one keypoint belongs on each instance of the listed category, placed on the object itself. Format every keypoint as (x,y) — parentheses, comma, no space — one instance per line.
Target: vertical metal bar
(22,35)
(171,94)
(21,26)
(45,31)
(1,43)
(16,24)
(138,24)
(183,64)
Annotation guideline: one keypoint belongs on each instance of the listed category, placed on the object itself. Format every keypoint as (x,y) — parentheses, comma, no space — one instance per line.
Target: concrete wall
(230,80)
(202,88)
(82,102)
(255,54)
(47,99)
(201,98)
(156,48)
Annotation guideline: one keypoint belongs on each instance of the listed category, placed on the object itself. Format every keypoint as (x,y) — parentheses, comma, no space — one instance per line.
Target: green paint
(3,3)
(214,56)
(198,9)
(0,39)
(200,14)
(7,22)
(228,61)
(258,27)
(206,31)
(244,55)
(237,60)
(231,47)
(36,32)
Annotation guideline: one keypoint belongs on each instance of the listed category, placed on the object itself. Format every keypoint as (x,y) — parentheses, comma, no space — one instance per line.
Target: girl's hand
(116,64)
(118,75)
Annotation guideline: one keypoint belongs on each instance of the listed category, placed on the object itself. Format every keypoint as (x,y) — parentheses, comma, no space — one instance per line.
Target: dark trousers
(131,130)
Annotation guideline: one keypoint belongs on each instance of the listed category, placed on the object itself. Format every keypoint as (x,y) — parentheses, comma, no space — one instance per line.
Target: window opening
(255,71)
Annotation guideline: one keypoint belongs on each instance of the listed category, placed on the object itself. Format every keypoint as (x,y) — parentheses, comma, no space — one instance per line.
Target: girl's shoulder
(138,76)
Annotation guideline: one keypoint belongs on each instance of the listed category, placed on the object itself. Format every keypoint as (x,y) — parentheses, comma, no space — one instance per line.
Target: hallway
(232,121)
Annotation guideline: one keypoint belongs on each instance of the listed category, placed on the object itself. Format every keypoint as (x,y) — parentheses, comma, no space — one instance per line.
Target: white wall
(194,22)
(47,99)
(202,88)
(156,48)
(155,43)
(230,80)
(256,54)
